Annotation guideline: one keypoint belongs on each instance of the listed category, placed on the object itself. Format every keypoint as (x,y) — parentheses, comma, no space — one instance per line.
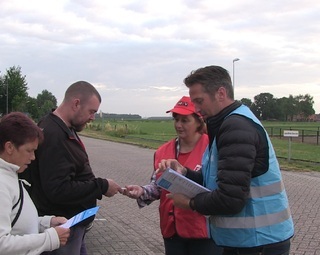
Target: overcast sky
(137,52)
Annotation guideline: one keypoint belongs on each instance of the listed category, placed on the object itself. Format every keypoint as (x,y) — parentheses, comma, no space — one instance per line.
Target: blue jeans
(75,244)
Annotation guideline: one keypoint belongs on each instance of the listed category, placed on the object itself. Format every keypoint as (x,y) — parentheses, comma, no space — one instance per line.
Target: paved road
(122,228)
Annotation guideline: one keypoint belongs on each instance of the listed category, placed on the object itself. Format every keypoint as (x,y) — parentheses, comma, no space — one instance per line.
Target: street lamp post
(233,81)
(7,97)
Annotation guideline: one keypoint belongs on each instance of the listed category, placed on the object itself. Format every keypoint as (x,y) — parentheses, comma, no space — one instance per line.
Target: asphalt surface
(122,228)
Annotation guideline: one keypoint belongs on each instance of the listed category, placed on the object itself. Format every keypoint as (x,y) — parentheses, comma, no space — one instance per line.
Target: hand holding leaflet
(174,182)
(80,217)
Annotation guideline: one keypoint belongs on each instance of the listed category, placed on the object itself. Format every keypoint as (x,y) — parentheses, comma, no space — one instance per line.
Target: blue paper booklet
(80,217)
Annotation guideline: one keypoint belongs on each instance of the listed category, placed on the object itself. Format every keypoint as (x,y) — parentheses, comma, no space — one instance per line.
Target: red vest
(173,220)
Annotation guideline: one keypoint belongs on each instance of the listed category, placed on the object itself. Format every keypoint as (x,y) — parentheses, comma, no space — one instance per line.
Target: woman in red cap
(184,231)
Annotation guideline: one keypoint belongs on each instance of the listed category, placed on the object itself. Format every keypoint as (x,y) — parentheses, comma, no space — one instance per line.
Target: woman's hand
(173,164)
(133,191)
(57,221)
(63,234)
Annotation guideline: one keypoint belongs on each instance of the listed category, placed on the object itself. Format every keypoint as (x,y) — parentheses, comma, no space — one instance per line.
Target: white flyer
(175,183)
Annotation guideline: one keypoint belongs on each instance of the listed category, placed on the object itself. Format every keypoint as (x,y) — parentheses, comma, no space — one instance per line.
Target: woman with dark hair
(21,230)
(184,231)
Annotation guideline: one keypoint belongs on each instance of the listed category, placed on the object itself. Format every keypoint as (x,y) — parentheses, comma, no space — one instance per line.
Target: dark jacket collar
(214,122)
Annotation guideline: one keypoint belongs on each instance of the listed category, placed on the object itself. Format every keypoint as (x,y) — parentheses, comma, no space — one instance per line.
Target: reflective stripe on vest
(267,190)
(251,222)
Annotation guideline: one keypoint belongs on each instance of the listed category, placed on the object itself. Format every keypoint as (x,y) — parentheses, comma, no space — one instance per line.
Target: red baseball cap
(184,107)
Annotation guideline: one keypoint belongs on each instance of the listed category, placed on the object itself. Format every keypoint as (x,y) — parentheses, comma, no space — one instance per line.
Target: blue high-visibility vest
(266,217)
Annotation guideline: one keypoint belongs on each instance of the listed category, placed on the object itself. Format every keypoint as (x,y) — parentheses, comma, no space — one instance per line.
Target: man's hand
(179,200)
(113,189)
(173,164)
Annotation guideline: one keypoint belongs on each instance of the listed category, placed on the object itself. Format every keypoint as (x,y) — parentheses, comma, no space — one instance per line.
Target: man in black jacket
(62,179)
(248,205)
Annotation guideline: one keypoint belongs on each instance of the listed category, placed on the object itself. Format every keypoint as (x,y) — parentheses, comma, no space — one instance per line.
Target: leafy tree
(264,106)
(246,101)
(3,97)
(15,84)
(46,101)
(288,107)
(44,96)
(285,109)
(304,106)
(32,108)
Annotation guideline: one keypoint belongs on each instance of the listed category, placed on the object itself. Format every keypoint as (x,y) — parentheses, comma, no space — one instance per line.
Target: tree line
(293,108)
(14,97)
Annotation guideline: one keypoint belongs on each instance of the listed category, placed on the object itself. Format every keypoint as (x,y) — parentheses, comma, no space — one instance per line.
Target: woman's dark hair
(19,129)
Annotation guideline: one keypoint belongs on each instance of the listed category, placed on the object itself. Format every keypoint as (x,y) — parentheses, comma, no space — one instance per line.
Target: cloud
(137,53)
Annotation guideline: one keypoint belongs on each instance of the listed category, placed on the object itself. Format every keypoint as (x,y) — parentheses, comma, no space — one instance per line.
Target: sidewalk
(122,228)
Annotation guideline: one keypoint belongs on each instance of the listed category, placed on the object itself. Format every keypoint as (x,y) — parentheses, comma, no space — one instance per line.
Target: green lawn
(153,133)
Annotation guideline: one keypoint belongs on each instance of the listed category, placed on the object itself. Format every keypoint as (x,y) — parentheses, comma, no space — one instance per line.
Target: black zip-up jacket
(63,183)
(243,153)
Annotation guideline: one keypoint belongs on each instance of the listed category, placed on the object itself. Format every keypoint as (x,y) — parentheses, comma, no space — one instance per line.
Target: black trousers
(187,246)
(281,248)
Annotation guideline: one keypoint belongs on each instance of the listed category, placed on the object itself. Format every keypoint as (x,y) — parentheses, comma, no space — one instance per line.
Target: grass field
(152,133)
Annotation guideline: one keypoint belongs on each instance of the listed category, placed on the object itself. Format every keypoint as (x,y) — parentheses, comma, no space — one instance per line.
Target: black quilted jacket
(243,153)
